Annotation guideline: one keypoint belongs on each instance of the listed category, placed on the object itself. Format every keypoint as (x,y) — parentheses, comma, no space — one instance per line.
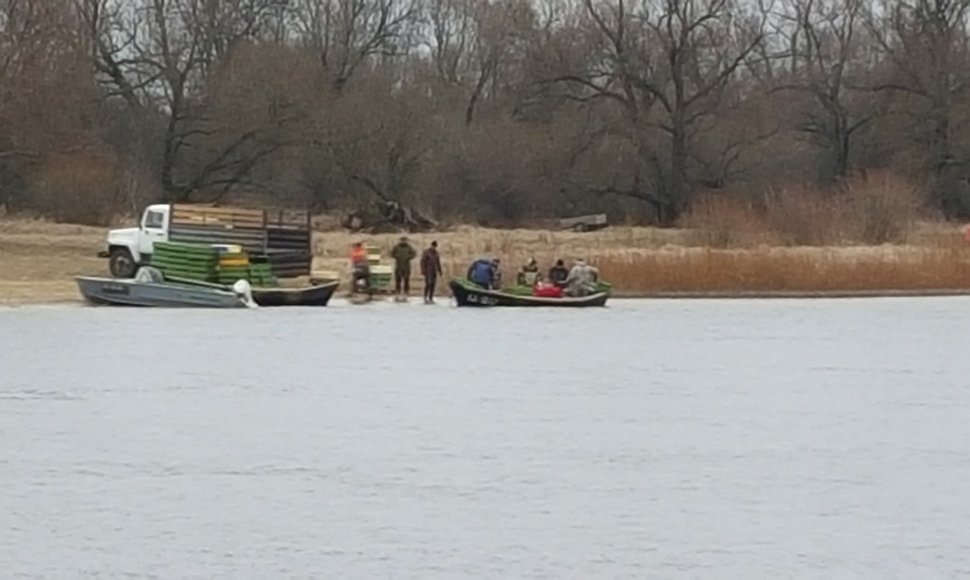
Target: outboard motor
(149,275)
(243,290)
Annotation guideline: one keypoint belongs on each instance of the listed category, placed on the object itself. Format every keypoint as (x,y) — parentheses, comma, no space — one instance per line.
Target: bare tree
(927,48)
(667,65)
(157,55)
(826,41)
(346,34)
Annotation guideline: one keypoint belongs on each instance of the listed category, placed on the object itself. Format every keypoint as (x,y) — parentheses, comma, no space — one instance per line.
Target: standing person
(402,253)
(430,269)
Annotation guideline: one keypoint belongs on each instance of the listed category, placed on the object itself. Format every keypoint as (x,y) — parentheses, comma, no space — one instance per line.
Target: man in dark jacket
(402,254)
(430,269)
(558,273)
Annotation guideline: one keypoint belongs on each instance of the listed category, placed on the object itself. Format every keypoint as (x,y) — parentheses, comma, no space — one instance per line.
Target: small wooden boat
(149,288)
(314,295)
(469,294)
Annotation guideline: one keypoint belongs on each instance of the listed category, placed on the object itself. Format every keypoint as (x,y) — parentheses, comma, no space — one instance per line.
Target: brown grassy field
(38,259)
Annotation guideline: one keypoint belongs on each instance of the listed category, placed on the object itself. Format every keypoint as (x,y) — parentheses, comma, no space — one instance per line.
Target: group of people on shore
(403,254)
(579,280)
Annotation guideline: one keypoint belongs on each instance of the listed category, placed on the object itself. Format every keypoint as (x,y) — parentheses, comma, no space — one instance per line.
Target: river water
(660,439)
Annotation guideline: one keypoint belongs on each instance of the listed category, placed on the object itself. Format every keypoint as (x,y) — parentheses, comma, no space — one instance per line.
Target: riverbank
(38,261)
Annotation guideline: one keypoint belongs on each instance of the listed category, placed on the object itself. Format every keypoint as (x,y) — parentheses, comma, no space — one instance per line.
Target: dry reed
(790,269)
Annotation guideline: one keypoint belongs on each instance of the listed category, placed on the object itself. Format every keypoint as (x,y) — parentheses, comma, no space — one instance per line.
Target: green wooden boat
(467,293)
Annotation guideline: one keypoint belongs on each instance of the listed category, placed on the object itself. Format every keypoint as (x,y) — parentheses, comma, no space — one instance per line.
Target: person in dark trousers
(558,273)
(430,269)
(402,253)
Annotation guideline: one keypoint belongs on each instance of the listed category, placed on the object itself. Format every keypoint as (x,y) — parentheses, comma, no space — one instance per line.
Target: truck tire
(121,264)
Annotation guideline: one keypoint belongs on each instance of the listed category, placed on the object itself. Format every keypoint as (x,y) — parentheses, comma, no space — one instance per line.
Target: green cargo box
(190,267)
(186,257)
(182,264)
(185,265)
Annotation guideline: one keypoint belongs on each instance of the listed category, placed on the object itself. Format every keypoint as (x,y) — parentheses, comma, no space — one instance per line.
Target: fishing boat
(316,294)
(150,288)
(469,294)
(313,295)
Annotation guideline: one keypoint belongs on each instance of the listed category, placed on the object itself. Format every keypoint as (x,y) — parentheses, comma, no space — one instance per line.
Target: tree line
(489,111)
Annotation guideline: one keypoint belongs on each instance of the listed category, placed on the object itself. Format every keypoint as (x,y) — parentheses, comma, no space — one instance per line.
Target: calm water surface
(661,439)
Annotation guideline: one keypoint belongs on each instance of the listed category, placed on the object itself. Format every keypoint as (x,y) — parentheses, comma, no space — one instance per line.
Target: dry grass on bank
(38,260)
(907,268)
(869,209)
(641,261)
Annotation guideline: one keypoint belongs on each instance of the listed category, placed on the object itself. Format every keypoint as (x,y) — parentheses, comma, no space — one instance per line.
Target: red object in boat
(547,292)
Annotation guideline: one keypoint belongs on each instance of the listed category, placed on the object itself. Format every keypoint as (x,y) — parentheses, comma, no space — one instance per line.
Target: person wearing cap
(403,254)
(430,269)
(581,280)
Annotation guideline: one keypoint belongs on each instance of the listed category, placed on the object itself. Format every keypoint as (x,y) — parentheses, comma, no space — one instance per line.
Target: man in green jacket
(402,254)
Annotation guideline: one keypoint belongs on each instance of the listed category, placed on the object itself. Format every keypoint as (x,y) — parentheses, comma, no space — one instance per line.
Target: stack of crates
(189,261)
(233,264)
(261,273)
(220,263)
(381,276)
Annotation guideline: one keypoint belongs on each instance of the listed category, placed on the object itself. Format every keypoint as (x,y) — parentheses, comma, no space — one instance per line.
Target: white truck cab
(130,247)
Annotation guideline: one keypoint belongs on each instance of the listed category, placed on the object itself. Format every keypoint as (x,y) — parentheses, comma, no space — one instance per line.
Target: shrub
(882,209)
(81,189)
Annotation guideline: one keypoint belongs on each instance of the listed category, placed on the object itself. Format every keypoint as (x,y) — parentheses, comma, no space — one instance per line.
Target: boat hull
(317,295)
(110,291)
(466,295)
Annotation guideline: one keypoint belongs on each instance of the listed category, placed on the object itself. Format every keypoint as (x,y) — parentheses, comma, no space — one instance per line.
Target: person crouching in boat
(558,273)
(528,274)
(483,272)
(360,268)
(581,280)
(496,274)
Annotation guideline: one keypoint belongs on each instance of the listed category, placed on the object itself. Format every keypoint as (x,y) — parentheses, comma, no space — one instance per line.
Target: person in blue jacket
(483,272)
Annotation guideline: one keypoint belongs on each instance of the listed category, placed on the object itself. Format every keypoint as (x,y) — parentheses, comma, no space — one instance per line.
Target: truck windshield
(154,219)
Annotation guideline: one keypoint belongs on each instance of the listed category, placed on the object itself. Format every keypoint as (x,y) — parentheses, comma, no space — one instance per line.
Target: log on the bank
(387,217)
